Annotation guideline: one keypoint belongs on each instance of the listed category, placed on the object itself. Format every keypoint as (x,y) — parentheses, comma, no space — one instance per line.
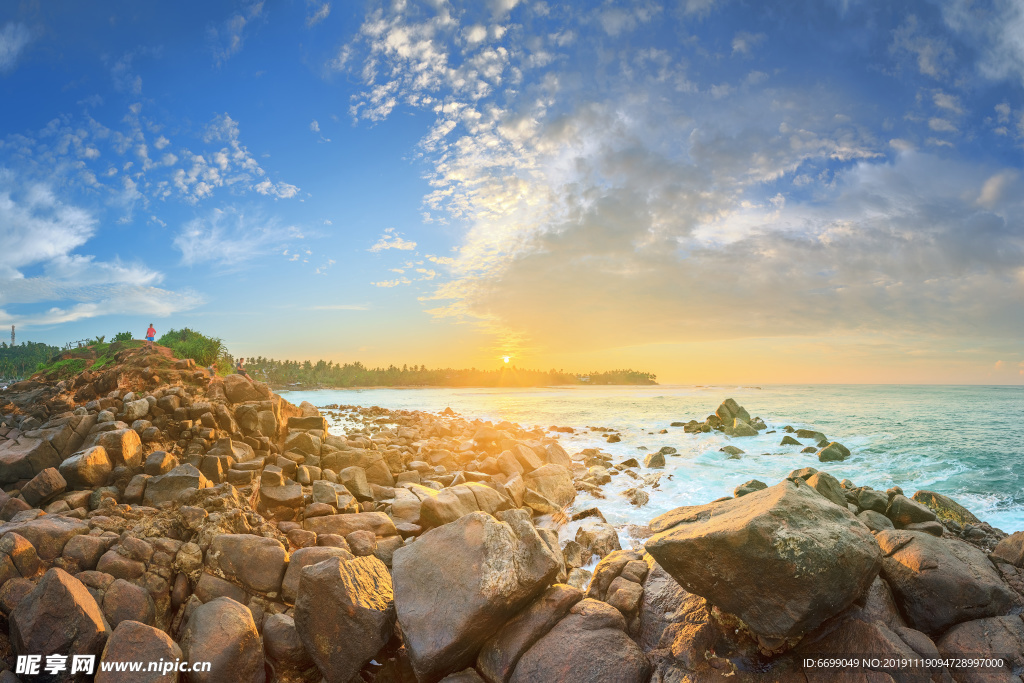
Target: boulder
(1010,549)
(749,487)
(43,487)
(447,609)
(48,534)
(654,460)
(256,562)
(903,511)
(588,646)
(124,601)
(344,614)
(342,525)
(122,445)
(223,633)
(87,469)
(940,582)
(500,654)
(740,428)
(304,557)
(828,486)
(59,616)
(991,638)
(554,482)
(167,487)
(783,559)
(131,641)
(18,557)
(557,455)
(283,647)
(833,452)
(238,389)
(945,508)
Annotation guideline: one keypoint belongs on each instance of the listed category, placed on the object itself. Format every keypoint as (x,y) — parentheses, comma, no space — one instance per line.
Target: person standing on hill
(150,336)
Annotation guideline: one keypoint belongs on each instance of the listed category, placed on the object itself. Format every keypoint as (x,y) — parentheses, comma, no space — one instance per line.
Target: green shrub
(123,337)
(186,343)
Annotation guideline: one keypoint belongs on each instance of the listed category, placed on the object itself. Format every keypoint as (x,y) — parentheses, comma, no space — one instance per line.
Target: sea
(963,441)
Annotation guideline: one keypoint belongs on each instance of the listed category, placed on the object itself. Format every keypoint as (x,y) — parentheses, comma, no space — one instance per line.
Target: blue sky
(711,190)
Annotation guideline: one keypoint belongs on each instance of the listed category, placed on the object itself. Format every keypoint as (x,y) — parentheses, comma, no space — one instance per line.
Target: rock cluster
(152,511)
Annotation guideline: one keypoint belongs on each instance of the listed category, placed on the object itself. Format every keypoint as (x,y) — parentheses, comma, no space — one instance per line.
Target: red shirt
(151,332)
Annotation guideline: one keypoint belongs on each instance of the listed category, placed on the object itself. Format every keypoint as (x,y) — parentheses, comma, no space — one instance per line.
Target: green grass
(187,343)
(63,369)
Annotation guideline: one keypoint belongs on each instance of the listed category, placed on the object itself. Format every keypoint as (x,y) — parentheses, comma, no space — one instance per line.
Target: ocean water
(966,442)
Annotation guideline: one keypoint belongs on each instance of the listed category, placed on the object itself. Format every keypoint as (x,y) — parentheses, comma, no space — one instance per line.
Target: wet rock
(448,610)
(749,487)
(876,501)
(940,582)
(599,539)
(588,646)
(131,641)
(223,633)
(59,616)
(785,559)
(875,520)
(789,441)
(344,614)
(834,452)
(654,460)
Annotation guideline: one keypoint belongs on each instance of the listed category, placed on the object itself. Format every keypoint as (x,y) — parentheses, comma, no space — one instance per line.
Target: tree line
(323,373)
(20,360)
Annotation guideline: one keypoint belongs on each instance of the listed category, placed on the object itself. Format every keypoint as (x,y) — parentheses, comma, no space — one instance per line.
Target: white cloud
(40,231)
(14,37)
(321,12)
(941,125)
(230,237)
(391,240)
(745,41)
(392,283)
(227,39)
(314,126)
(934,55)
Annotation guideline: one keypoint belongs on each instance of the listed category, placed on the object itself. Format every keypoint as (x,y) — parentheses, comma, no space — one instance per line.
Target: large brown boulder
(87,469)
(941,582)
(588,646)
(554,482)
(500,654)
(342,525)
(238,389)
(304,557)
(131,641)
(48,534)
(256,562)
(783,559)
(222,632)
(992,638)
(459,583)
(344,614)
(284,649)
(59,616)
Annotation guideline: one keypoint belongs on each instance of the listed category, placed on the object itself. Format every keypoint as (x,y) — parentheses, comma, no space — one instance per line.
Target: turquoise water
(966,442)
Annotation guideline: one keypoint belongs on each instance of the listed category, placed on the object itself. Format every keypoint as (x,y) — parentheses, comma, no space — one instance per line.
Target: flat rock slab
(342,525)
(783,559)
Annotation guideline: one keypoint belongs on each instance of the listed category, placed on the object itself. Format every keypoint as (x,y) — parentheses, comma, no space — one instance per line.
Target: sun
(506,358)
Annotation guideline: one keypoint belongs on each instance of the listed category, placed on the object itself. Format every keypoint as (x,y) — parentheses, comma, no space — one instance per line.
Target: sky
(716,191)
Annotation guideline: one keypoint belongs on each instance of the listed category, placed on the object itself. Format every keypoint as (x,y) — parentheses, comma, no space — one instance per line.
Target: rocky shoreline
(152,512)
